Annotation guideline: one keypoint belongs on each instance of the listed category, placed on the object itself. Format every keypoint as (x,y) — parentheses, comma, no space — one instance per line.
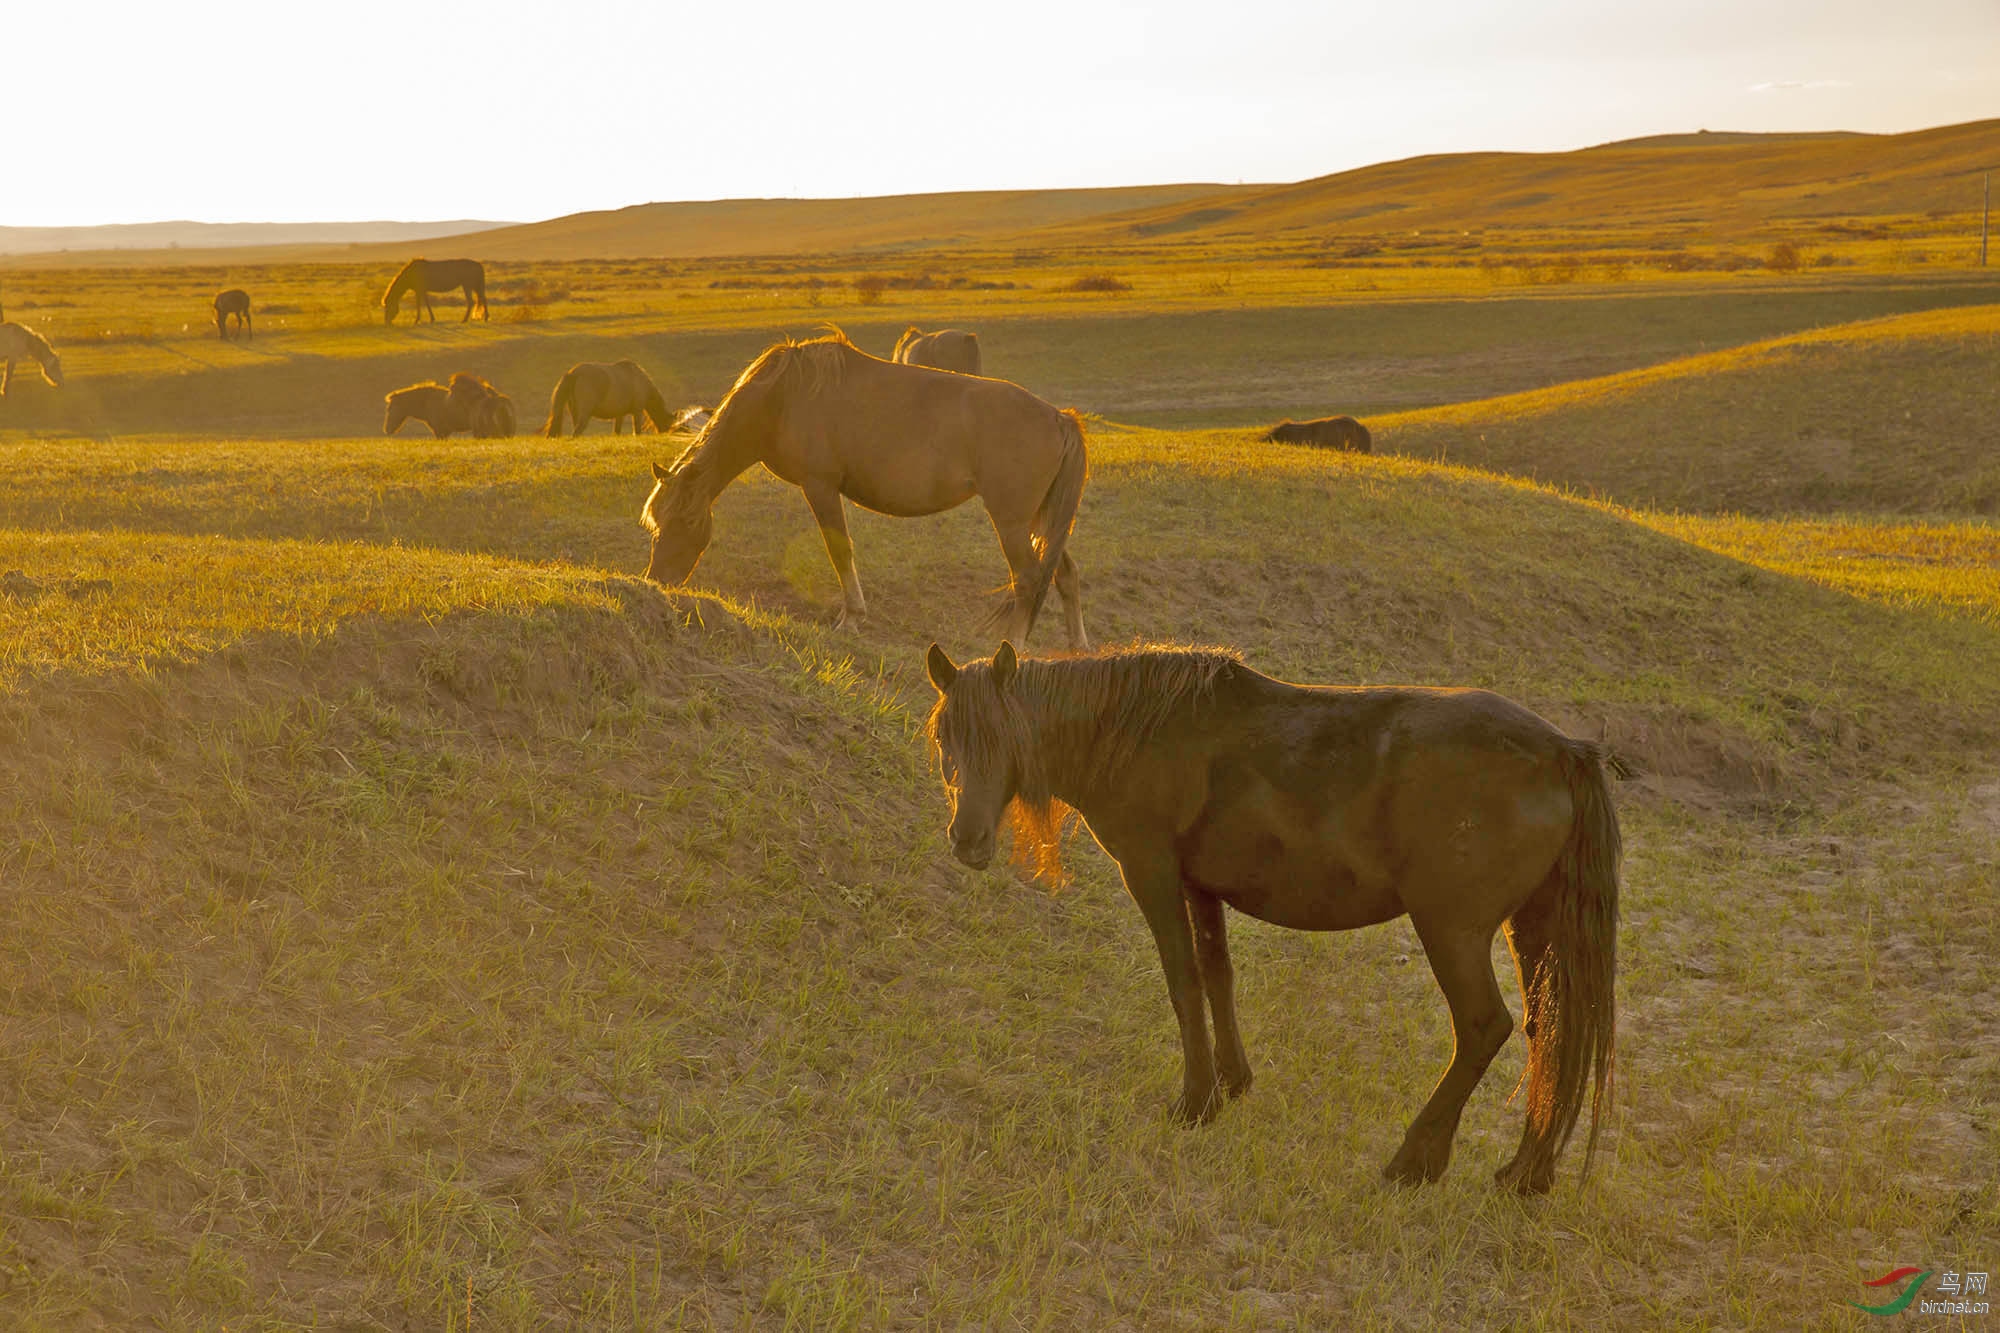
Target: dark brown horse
(900,440)
(233,303)
(1325,432)
(420,277)
(1317,808)
(947,349)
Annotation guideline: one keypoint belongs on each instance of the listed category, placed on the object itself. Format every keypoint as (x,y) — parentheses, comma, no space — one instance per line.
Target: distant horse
(606,392)
(421,277)
(235,302)
(1325,432)
(18,341)
(947,349)
(430,403)
(835,421)
(1317,808)
(485,411)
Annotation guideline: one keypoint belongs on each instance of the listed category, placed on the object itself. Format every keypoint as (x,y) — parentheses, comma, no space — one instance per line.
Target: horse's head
(391,303)
(52,370)
(979,734)
(681,528)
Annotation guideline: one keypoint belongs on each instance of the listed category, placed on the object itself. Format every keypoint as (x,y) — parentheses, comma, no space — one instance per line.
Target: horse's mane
(791,365)
(402,278)
(1087,716)
(408,389)
(910,335)
(38,346)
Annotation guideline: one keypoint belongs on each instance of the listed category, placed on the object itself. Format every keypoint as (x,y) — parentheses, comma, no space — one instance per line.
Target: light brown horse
(593,389)
(1326,432)
(900,440)
(1317,808)
(420,277)
(947,349)
(18,341)
(429,402)
(234,302)
(483,409)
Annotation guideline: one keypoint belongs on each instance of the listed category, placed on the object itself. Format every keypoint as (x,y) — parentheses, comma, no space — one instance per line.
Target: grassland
(410,923)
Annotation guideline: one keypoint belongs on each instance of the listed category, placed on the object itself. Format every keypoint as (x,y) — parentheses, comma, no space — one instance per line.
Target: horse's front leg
(1153,878)
(468,307)
(6,377)
(825,501)
(1218,980)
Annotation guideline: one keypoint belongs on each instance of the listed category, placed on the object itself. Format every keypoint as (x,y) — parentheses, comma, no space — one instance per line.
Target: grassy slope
(446,928)
(1734,185)
(1890,415)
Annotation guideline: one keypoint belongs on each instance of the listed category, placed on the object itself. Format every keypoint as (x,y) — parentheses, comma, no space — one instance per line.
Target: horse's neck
(729,451)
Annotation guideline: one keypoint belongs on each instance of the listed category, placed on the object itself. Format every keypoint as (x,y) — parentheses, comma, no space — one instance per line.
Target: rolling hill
(1723,184)
(1889,415)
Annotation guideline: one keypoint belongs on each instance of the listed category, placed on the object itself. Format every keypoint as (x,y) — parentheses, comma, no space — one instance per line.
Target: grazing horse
(947,349)
(609,393)
(900,440)
(234,302)
(18,341)
(421,277)
(1317,808)
(1325,432)
(429,402)
(483,409)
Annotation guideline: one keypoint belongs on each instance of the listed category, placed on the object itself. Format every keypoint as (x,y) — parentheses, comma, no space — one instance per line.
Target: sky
(240,111)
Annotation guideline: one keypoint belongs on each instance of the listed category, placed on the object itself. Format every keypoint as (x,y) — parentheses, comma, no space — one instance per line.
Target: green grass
(402,912)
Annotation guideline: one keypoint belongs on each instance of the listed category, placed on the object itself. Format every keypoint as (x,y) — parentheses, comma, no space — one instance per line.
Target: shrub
(1098,282)
(1784,258)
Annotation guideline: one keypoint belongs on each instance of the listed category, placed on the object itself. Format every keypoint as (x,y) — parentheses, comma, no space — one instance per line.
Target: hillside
(410,923)
(1890,415)
(1723,185)
(225,235)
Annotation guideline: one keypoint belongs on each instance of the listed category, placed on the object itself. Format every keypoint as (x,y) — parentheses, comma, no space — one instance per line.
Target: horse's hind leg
(1022,567)
(6,377)
(1218,979)
(1069,585)
(1461,960)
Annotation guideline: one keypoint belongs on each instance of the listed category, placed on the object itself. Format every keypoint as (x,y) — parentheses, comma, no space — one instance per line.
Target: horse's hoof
(1522,1181)
(1409,1167)
(1188,1118)
(1235,1085)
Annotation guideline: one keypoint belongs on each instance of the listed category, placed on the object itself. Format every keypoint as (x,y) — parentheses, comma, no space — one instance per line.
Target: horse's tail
(563,397)
(1566,944)
(1057,515)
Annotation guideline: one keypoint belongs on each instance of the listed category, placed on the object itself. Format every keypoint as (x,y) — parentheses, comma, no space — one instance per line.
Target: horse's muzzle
(976,852)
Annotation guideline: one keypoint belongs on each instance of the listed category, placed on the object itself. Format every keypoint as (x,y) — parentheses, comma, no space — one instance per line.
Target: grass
(1881,415)
(409,918)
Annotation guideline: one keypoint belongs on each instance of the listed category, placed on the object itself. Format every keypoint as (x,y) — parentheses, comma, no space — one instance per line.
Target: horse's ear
(1004,663)
(943,673)
(660,473)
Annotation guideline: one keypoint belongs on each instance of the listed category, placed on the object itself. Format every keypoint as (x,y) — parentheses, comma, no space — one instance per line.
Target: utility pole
(1985,207)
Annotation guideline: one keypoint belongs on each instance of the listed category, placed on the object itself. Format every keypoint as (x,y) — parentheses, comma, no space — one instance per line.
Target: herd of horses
(1211,785)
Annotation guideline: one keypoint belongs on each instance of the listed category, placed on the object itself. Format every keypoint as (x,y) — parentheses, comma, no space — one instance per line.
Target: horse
(421,277)
(17,341)
(430,403)
(1317,808)
(608,392)
(235,302)
(1326,432)
(900,440)
(947,349)
(484,410)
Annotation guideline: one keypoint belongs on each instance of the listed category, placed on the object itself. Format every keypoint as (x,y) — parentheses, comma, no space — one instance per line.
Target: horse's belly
(1298,884)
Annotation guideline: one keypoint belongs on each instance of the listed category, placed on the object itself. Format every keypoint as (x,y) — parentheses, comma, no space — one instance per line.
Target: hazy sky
(229,110)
